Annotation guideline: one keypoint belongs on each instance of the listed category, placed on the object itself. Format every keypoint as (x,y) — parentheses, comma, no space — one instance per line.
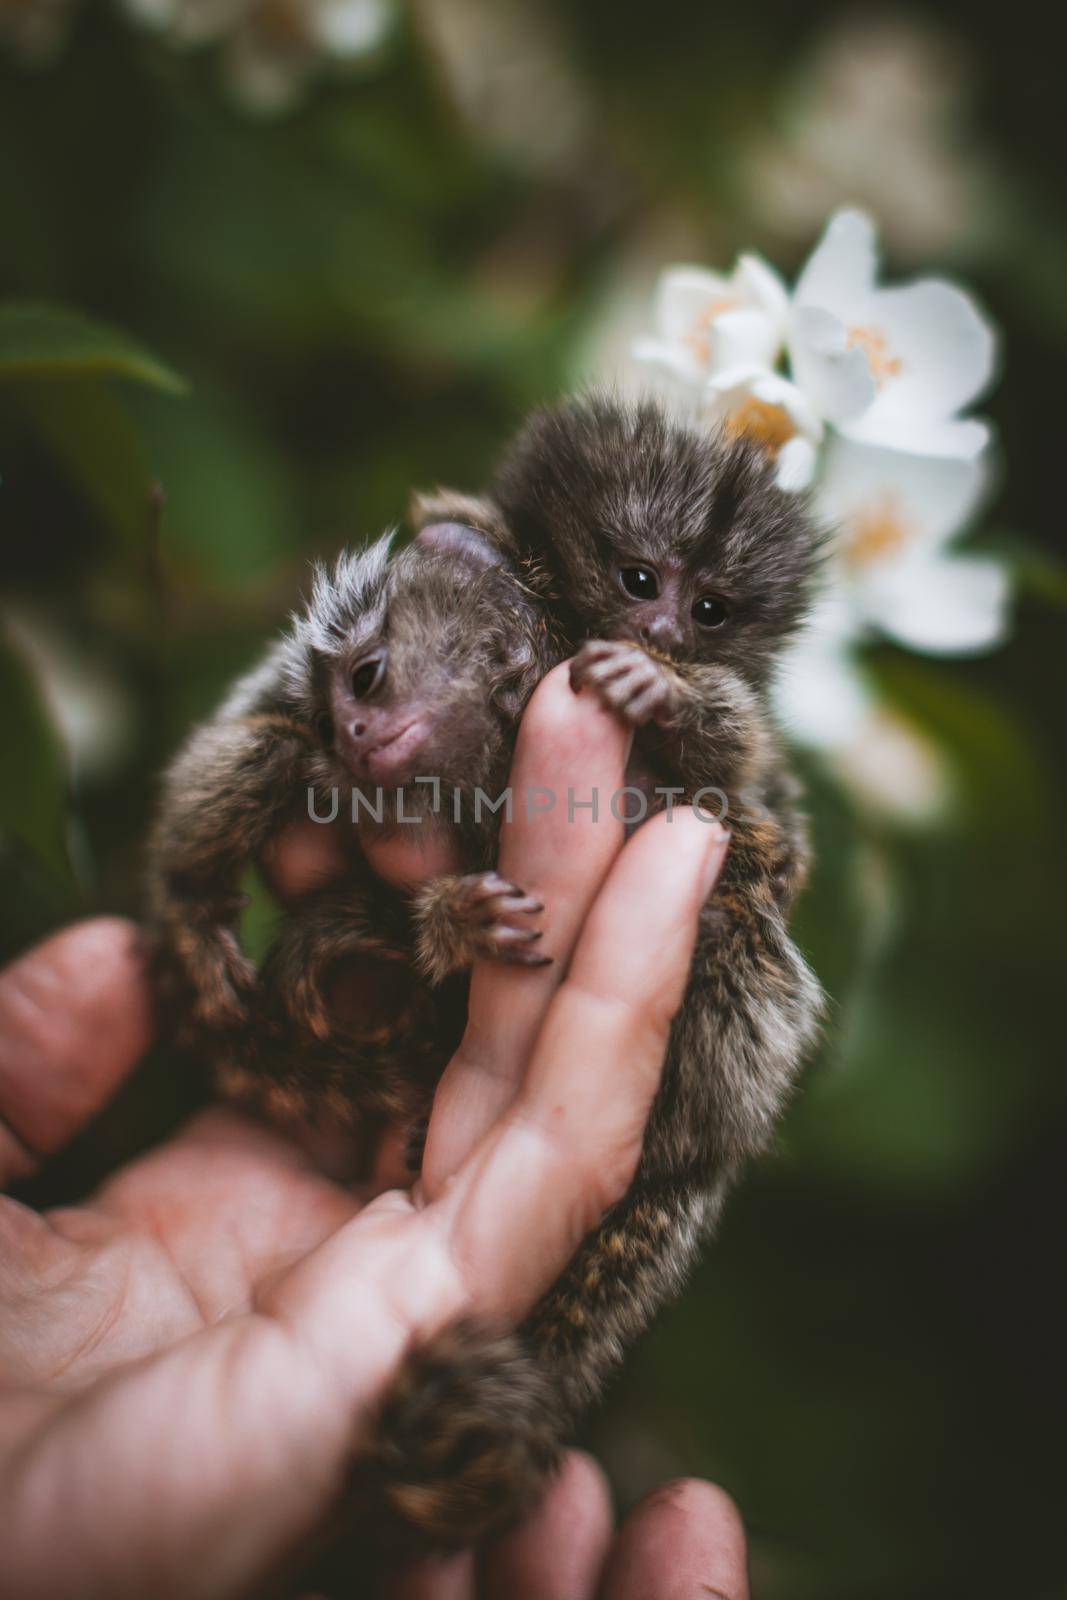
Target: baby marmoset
(402,666)
(676,570)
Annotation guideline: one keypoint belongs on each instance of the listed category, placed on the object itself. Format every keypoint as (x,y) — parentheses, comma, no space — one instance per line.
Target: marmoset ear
(461,525)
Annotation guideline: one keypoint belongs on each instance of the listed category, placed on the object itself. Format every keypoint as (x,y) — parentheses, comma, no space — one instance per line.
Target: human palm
(189,1358)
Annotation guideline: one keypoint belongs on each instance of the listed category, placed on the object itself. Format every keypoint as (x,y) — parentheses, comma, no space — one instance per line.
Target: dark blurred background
(340,251)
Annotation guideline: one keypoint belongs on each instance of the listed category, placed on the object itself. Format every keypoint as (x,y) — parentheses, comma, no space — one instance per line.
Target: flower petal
(895,768)
(840,273)
(888,505)
(683,296)
(951,605)
(795,467)
(819,694)
(934,353)
(836,379)
(742,338)
(763,286)
(714,321)
(350,27)
(771,412)
(965,437)
(778,391)
(670,356)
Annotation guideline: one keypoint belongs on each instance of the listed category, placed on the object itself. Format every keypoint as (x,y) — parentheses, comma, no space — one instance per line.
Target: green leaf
(261,919)
(232,517)
(33,786)
(1045,578)
(917,1098)
(86,427)
(39,341)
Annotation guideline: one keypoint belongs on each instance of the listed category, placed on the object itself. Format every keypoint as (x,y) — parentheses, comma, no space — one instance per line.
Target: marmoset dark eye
(709,612)
(640,582)
(367,677)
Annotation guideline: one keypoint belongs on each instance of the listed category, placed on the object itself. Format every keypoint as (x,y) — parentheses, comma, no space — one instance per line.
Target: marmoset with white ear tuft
(402,666)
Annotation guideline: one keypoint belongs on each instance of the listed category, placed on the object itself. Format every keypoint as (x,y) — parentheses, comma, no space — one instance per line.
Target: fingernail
(714,858)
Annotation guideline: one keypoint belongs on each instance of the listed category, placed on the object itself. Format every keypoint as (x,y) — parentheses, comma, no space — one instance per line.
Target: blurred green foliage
(364,297)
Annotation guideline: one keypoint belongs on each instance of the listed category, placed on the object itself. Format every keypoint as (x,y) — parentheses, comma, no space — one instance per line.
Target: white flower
(349,28)
(766,408)
(889,366)
(276,50)
(825,701)
(894,515)
(871,416)
(894,768)
(820,694)
(189,23)
(271,49)
(707,323)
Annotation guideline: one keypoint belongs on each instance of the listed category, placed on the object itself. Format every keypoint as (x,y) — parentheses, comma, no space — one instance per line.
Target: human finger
(685,1541)
(307,855)
(435,1578)
(558,1552)
(568,1147)
(304,856)
(571,754)
(74,1020)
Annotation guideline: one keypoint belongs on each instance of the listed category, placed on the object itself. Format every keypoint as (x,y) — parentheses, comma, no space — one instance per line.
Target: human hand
(684,1541)
(190,1356)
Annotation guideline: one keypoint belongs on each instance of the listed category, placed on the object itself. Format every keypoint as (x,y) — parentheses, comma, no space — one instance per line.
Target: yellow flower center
(875,346)
(767,425)
(876,531)
(697,338)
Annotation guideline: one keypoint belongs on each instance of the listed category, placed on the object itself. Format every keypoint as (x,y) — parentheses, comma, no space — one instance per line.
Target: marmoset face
(667,607)
(413,658)
(652,532)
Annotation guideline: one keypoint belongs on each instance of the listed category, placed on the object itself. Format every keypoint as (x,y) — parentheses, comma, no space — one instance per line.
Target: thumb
(74,1020)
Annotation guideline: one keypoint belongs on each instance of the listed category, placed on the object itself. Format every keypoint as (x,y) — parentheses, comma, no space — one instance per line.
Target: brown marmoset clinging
(402,666)
(673,570)
(676,571)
